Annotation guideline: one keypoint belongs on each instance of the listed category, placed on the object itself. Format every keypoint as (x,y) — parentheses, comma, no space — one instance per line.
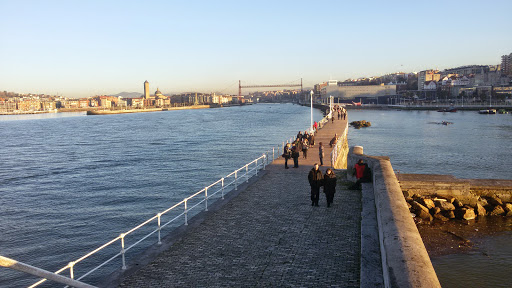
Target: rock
(424,215)
(448,214)
(507,207)
(359,124)
(465,214)
(435,210)
(451,200)
(428,203)
(409,206)
(407,194)
(441,217)
(482,201)
(480,210)
(418,207)
(494,201)
(498,210)
(457,203)
(445,205)
(509,214)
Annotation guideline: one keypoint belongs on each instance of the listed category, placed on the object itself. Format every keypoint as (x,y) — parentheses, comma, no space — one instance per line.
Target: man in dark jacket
(315,178)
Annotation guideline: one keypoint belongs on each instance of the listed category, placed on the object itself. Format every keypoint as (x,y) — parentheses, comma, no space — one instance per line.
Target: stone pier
(267,234)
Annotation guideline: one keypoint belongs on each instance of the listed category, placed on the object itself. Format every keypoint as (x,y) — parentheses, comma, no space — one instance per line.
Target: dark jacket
(315,178)
(330,183)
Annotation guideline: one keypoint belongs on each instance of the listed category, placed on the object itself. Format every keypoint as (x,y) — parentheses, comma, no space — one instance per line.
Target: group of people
(303,142)
(317,179)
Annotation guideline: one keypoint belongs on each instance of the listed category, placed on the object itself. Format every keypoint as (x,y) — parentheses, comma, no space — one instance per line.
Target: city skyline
(80,49)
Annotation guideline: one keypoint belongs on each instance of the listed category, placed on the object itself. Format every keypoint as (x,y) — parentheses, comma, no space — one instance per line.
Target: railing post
(273,154)
(159,239)
(247,173)
(236,172)
(264,157)
(222,188)
(206,198)
(122,251)
(186,216)
(71,273)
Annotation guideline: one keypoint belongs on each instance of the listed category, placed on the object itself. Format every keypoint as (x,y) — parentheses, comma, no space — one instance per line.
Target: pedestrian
(315,126)
(305,147)
(315,178)
(321,153)
(344,114)
(329,186)
(334,140)
(362,173)
(287,154)
(332,118)
(299,136)
(312,139)
(339,114)
(295,154)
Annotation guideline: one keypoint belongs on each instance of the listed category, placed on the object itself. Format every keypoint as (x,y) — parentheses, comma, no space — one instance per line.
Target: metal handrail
(246,171)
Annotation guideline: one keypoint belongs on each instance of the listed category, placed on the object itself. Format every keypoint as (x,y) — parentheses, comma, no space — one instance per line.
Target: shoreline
(460,236)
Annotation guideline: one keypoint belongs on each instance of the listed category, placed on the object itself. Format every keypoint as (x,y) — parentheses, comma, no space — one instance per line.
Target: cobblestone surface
(268,236)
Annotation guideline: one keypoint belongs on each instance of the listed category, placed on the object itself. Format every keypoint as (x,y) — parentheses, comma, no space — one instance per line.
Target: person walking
(315,126)
(305,147)
(321,153)
(312,139)
(315,179)
(295,154)
(329,186)
(287,154)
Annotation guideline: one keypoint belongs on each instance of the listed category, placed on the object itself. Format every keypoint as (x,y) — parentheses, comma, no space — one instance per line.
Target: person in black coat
(287,154)
(296,154)
(329,186)
(315,179)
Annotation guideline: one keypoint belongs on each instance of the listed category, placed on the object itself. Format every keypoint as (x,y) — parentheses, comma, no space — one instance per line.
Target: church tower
(146,90)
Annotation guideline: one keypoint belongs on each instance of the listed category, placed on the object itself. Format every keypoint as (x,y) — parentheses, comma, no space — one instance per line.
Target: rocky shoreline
(448,226)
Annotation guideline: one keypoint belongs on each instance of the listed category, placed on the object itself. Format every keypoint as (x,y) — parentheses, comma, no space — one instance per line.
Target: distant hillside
(128,95)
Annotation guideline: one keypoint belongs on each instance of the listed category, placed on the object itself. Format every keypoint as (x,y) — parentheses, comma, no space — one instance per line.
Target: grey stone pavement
(269,235)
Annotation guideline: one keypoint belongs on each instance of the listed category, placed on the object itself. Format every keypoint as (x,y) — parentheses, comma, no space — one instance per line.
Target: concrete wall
(405,260)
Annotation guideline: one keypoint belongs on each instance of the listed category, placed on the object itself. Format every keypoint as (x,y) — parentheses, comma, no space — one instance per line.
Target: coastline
(111,112)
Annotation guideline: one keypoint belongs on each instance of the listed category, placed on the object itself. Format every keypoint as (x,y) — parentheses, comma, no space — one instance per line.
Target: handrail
(338,148)
(247,172)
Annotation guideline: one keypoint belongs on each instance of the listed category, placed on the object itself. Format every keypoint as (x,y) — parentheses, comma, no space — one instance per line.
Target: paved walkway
(268,236)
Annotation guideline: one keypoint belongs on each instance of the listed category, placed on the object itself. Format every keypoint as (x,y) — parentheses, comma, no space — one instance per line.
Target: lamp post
(311,127)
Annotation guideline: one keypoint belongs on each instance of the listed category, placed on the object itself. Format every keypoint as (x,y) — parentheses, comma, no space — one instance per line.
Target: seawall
(405,261)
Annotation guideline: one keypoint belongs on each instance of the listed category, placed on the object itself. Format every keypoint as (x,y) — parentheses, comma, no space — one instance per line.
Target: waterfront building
(146,89)
(427,75)
(506,64)
(364,93)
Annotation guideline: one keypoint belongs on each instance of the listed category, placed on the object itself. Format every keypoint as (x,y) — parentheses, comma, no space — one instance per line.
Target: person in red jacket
(362,173)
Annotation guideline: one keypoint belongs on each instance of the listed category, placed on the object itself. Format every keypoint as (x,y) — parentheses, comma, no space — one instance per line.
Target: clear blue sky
(86,48)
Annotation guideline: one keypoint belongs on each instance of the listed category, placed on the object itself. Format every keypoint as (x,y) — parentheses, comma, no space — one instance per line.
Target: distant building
(506,64)
(146,89)
(427,76)
(361,92)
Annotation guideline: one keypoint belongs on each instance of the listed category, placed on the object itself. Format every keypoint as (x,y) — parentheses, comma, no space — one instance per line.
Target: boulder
(448,214)
(435,210)
(509,214)
(418,207)
(457,203)
(494,201)
(507,207)
(424,215)
(407,194)
(445,205)
(439,216)
(409,206)
(480,210)
(482,201)
(428,203)
(465,214)
(498,210)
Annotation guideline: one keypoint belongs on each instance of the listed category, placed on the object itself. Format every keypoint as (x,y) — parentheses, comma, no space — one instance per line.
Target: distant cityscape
(470,84)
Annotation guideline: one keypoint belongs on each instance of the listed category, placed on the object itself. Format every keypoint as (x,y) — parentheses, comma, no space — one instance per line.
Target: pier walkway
(269,235)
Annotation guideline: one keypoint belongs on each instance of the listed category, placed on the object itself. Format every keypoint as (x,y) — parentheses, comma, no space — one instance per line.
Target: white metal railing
(223,185)
(336,151)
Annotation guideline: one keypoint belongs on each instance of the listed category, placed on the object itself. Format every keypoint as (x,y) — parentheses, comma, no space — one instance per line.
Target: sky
(86,48)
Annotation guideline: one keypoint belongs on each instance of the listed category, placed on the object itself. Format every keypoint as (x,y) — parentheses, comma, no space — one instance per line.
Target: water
(70,182)
(474,146)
